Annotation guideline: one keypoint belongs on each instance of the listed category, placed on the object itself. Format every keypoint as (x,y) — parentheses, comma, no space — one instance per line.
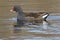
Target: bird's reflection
(17,30)
(45,24)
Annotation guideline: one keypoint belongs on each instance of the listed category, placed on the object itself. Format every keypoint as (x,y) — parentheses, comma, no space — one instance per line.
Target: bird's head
(15,8)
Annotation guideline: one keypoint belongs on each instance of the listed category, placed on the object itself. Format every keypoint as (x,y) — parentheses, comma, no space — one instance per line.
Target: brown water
(44,31)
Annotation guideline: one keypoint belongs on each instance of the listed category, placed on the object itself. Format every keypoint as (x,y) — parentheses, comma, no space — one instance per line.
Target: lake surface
(48,30)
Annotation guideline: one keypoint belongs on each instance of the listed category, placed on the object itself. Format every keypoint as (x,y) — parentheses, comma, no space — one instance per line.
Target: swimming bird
(21,18)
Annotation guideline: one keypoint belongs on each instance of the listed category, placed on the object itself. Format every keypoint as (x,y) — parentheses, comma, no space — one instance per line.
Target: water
(48,30)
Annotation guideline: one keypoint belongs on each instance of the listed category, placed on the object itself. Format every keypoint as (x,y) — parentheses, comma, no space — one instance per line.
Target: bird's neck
(19,12)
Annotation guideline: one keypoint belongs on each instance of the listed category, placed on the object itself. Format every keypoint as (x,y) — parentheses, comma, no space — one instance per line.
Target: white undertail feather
(45,25)
(44,16)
